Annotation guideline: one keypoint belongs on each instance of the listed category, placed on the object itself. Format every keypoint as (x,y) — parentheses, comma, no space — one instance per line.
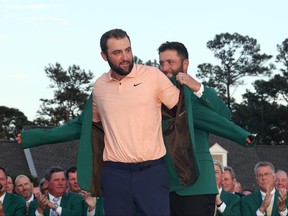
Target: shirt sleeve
(91,213)
(222,207)
(283,213)
(259,213)
(200,92)
(95,113)
(168,92)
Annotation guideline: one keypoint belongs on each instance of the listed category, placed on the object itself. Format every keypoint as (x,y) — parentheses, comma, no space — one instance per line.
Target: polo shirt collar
(131,74)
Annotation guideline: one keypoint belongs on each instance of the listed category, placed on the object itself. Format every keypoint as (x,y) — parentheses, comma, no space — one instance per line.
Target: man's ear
(234,181)
(185,65)
(104,56)
(16,190)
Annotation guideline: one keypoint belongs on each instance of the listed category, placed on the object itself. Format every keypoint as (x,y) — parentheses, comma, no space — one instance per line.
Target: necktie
(55,201)
(27,207)
(269,209)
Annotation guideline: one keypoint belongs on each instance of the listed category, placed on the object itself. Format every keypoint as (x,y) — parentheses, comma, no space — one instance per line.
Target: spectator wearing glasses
(268,200)
(281,179)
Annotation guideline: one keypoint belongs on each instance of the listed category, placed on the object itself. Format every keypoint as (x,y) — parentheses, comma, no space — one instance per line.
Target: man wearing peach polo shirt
(127,101)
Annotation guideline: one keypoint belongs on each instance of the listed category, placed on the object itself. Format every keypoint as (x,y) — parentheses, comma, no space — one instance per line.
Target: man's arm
(67,132)
(230,205)
(207,120)
(75,206)
(207,96)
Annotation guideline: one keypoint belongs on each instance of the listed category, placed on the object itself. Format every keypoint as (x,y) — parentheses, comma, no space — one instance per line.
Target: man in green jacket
(268,200)
(10,204)
(203,117)
(206,113)
(93,206)
(57,202)
(227,203)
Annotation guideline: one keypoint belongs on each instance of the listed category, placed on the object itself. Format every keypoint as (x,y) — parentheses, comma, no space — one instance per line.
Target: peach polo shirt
(130,112)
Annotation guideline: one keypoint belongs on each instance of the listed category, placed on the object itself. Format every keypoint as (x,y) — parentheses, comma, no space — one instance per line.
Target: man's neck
(30,198)
(2,194)
(272,191)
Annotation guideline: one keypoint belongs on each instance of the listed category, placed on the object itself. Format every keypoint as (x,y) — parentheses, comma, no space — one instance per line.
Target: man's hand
(91,201)
(266,201)
(186,79)
(43,203)
(218,201)
(282,199)
(19,138)
(250,140)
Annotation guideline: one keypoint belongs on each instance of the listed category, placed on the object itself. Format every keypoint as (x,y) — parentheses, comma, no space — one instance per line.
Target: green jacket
(90,153)
(72,205)
(14,205)
(99,211)
(232,202)
(205,115)
(78,128)
(252,202)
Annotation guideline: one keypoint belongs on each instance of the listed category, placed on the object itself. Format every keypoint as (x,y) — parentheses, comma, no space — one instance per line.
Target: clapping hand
(91,201)
(282,199)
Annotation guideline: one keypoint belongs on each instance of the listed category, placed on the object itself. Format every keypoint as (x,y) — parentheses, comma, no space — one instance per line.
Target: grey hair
(263,164)
(230,169)
(20,176)
(217,162)
(281,171)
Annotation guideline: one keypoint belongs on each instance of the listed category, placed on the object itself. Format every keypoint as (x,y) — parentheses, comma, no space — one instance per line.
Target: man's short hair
(72,169)
(218,163)
(54,169)
(4,171)
(263,164)
(174,45)
(230,169)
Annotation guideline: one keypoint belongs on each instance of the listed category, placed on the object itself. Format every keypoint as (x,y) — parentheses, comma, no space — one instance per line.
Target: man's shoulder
(239,194)
(230,196)
(14,198)
(252,196)
(147,68)
(71,195)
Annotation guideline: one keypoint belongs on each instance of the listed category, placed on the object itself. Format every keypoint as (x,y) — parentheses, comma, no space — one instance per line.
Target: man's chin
(169,75)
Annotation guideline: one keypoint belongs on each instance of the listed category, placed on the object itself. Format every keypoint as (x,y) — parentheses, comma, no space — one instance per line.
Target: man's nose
(124,56)
(164,67)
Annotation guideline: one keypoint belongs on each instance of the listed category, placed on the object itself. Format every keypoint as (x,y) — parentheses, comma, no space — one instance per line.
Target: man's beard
(119,70)
(172,73)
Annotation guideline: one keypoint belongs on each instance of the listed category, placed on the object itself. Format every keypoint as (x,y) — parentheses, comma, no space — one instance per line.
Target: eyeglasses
(281,180)
(261,175)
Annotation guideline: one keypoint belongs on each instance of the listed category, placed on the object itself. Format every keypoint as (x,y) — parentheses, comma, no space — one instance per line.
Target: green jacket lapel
(177,138)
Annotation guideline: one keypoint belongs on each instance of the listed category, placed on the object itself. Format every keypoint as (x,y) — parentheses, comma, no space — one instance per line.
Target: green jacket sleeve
(211,115)
(249,206)
(66,132)
(210,100)
(209,121)
(233,204)
(74,206)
